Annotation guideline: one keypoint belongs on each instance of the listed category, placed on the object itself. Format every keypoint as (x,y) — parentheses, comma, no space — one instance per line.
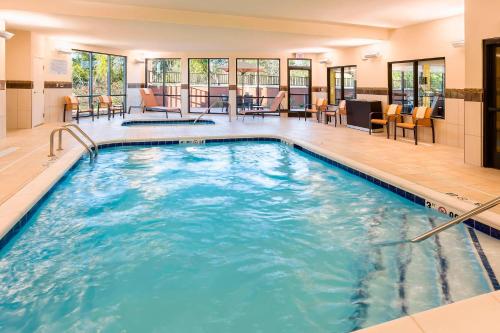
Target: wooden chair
(421,117)
(106,102)
(342,110)
(392,113)
(72,103)
(331,113)
(316,108)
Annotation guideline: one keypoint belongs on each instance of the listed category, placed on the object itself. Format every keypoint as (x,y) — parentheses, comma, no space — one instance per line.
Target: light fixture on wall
(6,35)
(325,61)
(140,60)
(64,50)
(372,55)
(458,43)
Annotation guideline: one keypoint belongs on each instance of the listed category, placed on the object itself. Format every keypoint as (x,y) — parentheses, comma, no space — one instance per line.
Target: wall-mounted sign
(58,67)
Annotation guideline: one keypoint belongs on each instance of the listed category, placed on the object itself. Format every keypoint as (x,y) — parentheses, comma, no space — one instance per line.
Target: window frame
(91,96)
(415,63)
(342,89)
(209,96)
(258,76)
(308,68)
(163,94)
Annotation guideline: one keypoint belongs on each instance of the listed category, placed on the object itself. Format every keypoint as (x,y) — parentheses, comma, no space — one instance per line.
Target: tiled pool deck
(23,157)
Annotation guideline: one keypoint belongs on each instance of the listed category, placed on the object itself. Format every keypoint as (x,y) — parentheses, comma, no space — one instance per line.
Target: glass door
(492,103)
(299,84)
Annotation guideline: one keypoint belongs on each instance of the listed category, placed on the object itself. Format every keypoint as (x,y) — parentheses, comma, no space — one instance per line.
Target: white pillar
(3,106)
(232,87)
(184,86)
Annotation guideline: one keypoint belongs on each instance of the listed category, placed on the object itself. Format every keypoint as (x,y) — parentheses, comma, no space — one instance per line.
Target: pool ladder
(457,220)
(69,128)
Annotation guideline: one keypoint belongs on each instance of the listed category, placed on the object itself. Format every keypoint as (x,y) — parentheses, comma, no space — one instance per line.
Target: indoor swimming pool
(226,237)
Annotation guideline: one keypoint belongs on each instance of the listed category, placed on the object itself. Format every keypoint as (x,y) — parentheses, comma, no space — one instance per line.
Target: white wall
(427,40)
(3,111)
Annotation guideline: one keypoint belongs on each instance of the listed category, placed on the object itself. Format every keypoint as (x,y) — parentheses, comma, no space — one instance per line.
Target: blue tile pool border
(472,224)
(484,228)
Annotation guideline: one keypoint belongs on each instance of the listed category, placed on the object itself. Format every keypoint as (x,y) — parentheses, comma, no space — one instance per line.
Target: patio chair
(331,113)
(421,117)
(106,102)
(275,107)
(342,110)
(316,108)
(392,113)
(149,103)
(72,103)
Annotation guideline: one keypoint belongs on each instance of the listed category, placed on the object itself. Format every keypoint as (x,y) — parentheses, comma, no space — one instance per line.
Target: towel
(421,112)
(392,109)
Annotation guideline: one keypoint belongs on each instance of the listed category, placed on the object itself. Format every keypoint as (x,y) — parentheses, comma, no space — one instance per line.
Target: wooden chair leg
(433,135)
(415,131)
(370,128)
(387,127)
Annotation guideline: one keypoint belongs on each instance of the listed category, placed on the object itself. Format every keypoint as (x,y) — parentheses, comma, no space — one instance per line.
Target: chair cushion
(379,121)
(405,125)
(391,111)
(420,114)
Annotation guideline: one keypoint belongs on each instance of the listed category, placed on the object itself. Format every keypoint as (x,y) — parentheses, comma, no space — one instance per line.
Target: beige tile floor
(23,156)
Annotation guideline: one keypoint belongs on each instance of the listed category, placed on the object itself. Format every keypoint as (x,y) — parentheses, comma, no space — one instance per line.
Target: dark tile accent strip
(19,84)
(2,84)
(484,259)
(283,88)
(135,85)
(57,84)
(443,265)
(454,93)
(232,87)
(184,86)
(473,95)
(319,89)
(372,90)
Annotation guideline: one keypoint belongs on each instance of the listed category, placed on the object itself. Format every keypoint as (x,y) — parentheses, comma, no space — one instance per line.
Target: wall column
(3,106)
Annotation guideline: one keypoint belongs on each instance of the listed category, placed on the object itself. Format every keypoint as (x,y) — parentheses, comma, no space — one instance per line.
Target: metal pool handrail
(457,220)
(96,148)
(67,128)
(214,104)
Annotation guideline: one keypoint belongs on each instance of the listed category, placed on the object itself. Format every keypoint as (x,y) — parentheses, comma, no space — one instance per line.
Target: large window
(341,83)
(418,83)
(163,76)
(299,84)
(258,82)
(97,74)
(208,84)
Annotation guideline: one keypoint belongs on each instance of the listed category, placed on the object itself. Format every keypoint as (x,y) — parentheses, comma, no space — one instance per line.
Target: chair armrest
(373,113)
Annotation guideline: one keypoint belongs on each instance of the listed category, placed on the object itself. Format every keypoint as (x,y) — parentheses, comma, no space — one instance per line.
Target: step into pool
(226,237)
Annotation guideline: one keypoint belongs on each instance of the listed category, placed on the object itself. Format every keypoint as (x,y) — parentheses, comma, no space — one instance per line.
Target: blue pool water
(238,237)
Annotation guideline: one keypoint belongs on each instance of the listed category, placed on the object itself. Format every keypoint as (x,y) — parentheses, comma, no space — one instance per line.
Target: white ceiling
(380,13)
(198,26)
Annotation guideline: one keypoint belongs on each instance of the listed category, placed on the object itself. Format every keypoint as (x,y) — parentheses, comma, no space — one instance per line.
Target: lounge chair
(316,108)
(421,117)
(72,103)
(391,114)
(274,108)
(149,103)
(106,102)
